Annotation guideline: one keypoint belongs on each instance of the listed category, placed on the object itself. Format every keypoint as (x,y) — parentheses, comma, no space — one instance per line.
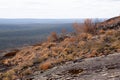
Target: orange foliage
(78,27)
(92,54)
(46,65)
(53,36)
(88,27)
(101,32)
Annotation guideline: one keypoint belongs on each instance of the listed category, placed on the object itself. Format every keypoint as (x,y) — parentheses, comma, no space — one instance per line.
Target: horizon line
(53,18)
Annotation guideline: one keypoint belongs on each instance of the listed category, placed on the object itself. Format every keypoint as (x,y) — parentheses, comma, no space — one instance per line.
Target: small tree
(53,36)
(89,26)
(77,27)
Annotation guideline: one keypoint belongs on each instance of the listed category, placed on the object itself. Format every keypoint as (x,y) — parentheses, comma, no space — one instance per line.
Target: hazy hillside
(20,32)
(43,21)
(16,35)
(72,55)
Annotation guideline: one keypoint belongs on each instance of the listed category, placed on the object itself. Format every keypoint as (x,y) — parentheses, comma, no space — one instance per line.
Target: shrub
(27,72)
(78,27)
(53,37)
(46,65)
(110,32)
(101,31)
(88,27)
(9,75)
(85,36)
(92,54)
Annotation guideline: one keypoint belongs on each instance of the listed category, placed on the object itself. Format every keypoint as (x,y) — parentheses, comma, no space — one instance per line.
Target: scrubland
(87,40)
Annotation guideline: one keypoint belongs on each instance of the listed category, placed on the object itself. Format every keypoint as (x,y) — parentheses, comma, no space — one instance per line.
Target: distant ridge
(110,23)
(27,21)
(31,21)
(117,18)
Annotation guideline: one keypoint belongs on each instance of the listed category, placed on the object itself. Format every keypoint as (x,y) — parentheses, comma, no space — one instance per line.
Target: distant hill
(26,21)
(48,21)
(15,35)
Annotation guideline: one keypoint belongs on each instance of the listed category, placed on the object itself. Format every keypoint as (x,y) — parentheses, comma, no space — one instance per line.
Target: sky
(56,9)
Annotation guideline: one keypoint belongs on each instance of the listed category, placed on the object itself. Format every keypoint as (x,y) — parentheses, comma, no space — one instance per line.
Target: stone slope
(98,68)
(112,23)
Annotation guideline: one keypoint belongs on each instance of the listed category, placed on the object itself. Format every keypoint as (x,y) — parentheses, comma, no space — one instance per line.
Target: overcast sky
(59,8)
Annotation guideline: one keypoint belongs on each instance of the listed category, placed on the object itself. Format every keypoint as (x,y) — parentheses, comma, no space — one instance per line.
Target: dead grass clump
(117,34)
(9,75)
(26,72)
(106,49)
(70,57)
(49,45)
(45,55)
(82,43)
(53,37)
(72,39)
(59,60)
(92,54)
(45,65)
(110,32)
(41,57)
(26,64)
(85,36)
(116,44)
(101,31)
(37,47)
(6,62)
(56,50)
(66,40)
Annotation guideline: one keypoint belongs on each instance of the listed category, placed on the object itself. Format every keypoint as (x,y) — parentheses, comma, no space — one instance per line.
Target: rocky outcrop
(113,23)
(98,68)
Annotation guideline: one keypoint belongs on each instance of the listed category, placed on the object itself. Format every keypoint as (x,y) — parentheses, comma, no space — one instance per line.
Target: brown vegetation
(53,37)
(46,65)
(87,27)
(88,42)
(11,54)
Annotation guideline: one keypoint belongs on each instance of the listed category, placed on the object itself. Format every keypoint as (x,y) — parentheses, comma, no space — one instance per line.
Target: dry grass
(101,31)
(51,53)
(9,75)
(46,65)
(26,72)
